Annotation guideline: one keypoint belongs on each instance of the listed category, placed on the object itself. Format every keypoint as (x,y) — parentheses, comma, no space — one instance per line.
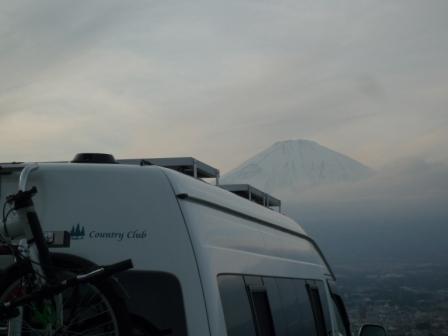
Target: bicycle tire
(105,314)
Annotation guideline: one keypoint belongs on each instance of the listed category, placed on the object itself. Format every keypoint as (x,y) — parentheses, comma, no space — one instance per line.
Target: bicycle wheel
(86,310)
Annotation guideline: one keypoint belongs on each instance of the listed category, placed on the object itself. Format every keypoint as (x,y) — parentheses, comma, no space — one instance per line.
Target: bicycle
(38,296)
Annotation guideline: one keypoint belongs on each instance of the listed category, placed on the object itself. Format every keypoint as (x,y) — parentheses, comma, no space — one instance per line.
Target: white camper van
(208,259)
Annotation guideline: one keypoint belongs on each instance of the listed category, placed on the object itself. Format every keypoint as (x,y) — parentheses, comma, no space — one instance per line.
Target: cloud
(367,78)
(398,215)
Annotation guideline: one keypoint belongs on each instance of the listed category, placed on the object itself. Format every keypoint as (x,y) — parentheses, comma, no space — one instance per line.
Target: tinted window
(251,280)
(290,306)
(306,312)
(323,299)
(157,299)
(318,311)
(276,306)
(236,306)
(297,312)
(343,324)
(262,312)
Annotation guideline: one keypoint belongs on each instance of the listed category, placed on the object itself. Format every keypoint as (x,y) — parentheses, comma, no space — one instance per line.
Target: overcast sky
(223,80)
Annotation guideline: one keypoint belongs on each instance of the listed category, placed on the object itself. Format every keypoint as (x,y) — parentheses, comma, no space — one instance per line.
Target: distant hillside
(296,164)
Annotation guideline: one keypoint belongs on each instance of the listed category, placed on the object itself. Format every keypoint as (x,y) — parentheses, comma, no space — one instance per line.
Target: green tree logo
(77,232)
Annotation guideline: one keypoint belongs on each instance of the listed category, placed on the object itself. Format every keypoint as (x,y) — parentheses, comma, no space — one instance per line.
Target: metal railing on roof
(186,165)
(253,194)
(7,168)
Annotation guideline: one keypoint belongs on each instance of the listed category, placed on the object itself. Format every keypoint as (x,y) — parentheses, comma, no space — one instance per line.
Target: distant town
(409,300)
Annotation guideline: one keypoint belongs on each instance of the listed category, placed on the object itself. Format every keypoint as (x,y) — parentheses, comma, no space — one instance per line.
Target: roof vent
(93,158)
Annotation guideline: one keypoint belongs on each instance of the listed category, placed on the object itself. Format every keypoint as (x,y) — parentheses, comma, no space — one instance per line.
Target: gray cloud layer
(398,215)
(223,80)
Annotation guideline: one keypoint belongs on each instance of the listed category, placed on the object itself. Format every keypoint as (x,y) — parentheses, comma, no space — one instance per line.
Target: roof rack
(253,194)
(9,167)
(186,165)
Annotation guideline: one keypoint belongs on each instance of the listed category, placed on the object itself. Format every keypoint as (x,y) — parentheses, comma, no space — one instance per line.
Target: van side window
(155,301)
(318,310)
(271,306)
(342,321)
(236,306)
(324,300)
(298,316)
(276,306)
(262,311)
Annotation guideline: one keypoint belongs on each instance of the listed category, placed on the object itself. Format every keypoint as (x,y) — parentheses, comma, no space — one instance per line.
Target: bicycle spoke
(92,321)
(84,310)
(86,313)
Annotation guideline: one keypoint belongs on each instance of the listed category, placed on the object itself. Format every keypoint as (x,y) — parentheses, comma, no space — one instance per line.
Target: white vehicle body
(170,223)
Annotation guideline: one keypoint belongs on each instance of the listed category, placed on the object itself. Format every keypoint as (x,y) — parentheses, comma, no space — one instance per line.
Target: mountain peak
(294,142)
(292,165)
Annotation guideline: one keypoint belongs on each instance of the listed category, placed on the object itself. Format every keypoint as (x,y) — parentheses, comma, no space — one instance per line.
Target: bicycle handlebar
(103,272)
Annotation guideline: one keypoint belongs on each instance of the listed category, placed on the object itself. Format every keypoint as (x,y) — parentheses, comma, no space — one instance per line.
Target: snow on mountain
(294,165)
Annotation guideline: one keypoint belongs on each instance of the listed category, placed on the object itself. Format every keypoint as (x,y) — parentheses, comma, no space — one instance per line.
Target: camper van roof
(211,196)
(186,165)
(185,187)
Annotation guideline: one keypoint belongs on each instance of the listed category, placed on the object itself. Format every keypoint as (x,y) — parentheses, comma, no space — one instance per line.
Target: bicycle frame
(26,228)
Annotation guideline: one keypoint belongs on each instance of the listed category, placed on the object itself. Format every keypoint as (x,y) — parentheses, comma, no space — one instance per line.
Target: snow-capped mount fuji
(294,165)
